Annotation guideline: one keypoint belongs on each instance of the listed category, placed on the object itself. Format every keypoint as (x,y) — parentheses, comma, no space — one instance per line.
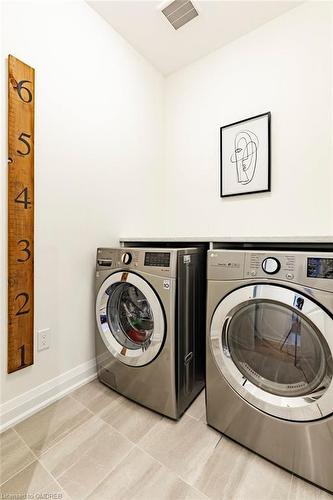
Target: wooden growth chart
(21,103)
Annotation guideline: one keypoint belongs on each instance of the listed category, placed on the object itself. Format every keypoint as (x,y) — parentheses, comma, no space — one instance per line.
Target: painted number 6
(27,93)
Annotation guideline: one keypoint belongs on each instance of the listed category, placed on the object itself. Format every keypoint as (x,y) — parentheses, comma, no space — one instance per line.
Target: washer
(269,356)
(150,323)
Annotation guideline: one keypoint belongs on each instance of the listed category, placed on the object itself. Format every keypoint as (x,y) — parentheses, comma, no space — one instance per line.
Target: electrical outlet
(43,337)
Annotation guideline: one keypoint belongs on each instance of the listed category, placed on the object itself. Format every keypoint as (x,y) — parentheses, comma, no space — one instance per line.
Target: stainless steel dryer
(150,310)
(269,356)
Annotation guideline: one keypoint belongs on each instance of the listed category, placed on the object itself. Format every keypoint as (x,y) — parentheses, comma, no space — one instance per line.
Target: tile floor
(96,444)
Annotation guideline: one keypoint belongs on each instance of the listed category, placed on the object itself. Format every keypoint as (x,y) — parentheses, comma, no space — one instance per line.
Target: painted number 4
(23,198)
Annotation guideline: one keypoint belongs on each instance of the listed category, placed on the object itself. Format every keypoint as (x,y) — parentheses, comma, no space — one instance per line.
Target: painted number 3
(25,249)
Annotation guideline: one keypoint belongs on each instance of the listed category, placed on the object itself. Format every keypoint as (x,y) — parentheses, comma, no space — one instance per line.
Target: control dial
(271,265)
(126,258)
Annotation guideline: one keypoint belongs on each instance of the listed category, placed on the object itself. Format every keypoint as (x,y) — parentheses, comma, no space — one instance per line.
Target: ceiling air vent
(180,12)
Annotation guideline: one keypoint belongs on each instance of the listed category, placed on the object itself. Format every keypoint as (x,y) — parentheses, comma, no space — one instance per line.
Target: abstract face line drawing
(245,155)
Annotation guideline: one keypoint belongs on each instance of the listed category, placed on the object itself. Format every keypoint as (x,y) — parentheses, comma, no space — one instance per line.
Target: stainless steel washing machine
(150,325)
(269,356)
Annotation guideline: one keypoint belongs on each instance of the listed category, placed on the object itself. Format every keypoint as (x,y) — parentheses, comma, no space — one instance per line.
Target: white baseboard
(17,409)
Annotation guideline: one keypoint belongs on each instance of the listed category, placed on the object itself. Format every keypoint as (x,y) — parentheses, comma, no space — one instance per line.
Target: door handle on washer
(225,330)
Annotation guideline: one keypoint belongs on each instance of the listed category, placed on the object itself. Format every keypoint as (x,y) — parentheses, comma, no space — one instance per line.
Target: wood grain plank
(21,104)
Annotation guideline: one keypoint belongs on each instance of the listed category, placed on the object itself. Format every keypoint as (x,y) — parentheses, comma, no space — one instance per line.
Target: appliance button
(271,265)
(253,272)
(126,258)
(289,276)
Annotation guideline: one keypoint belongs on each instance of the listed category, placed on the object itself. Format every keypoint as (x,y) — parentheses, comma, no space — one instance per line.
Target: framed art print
(245,156)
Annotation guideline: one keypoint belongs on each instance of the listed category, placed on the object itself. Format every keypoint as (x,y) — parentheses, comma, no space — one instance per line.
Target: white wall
(99,119)
(284,67)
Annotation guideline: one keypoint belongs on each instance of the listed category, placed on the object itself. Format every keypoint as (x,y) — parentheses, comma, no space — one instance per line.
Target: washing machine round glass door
(130,318)
(274,347)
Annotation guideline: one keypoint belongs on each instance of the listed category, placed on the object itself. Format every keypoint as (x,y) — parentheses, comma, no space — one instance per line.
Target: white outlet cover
(43,339)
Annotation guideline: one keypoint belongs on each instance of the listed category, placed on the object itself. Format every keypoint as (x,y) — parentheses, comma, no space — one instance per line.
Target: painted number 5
(23,138)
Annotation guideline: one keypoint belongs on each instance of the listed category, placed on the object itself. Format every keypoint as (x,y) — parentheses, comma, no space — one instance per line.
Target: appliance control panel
(262,264)
(310,269)
(158,262)
(111,258)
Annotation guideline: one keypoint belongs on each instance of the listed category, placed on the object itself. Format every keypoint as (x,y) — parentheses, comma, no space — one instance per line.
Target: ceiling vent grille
(180,12)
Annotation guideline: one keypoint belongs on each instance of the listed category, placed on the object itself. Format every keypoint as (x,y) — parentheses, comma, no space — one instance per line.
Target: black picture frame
(267,174)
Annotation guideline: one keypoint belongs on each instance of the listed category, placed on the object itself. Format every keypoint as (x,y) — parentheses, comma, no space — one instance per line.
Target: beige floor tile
(34,480)
(183,446)
(85,457)
(301,490)
(129,418)
(232,472)
(95,396)
(47,427)
(198,407)
(14,455)
(139,476)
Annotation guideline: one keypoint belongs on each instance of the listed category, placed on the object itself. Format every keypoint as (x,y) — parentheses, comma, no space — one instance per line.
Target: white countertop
(234,239)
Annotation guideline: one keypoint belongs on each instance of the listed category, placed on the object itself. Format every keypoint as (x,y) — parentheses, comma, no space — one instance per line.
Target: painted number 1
(22,355)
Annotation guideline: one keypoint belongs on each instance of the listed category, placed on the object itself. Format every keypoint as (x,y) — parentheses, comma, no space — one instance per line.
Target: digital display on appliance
(320,268)
(158,259)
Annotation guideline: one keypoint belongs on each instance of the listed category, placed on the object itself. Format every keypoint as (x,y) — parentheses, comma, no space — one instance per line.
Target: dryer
(269,356)
(150,323)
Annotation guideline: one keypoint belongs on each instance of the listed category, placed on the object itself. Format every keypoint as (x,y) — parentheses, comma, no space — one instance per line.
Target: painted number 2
(21,310)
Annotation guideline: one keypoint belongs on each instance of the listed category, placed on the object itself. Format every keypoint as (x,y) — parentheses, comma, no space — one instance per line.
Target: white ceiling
(143,25)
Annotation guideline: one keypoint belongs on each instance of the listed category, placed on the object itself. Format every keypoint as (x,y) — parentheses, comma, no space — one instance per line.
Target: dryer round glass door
(130,318)
(274,347)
